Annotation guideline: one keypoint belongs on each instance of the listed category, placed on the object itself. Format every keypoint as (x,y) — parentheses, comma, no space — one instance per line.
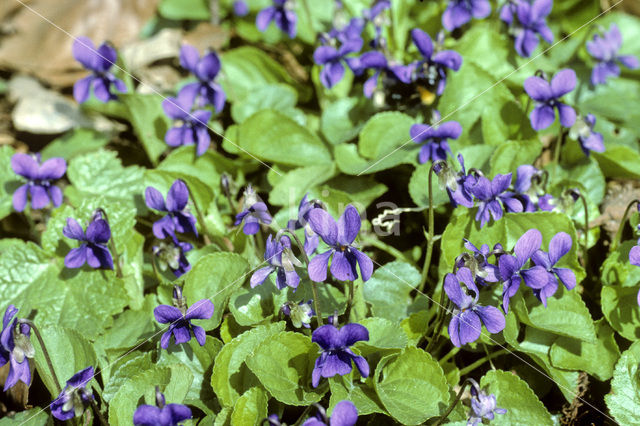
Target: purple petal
(420,132)
(563,82)
(260,275)
(470,327)
(536,277)
(318,266)
(348,225)
(85,53)
(500,183)
(342,267)
(526,42)
(538,89)
(200,334)
(453,289)
(540,9)
(202,309)
(449,130)
(166,339)
(480,9)
(52,169)
(208,67)
(541,258)
(189,57)
(154,199)
(542,117)
(331,74)
(76,257)
(178,412)
(265,16)
(344,414)
(327,337)
(365,263)
(73,230)
(448,58)
(325,54)
(20,198)
(164,227)
(147,415)
(99,257)
(98,232)
(629,61)
(352,333)
(101,90)
(81,89)
(175,109)
(567,115)
(527,245)
(39,197)
(339,363)
(167,314)
(492,318)
(324,225)
(181,333)
(362,365)
(567,277)
(25,166)
(454,327)
(559,245)
(175,136)
(423,42)
(634,255)
(178,196)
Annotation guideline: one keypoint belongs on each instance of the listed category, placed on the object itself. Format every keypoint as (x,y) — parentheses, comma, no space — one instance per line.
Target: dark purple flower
(529,189)
(547,97)
(467,319)
(435,62)
(604,48)
(179,320)
(190,127)
(300,313)
(99,61)
(332,58)
(458,185)
(311,239)
(255,212)
(483,271)
(559,245)
(179,218)
(531,21)
(282,13)
(512,270)
(15,349)
(74,397)
(161,414)
(39,181)
(492,196)
(483,405)
(350,32)
(172,255)
(240,8)
(205,90)
(280,258)
(344,414)
(336,356)
(459,12)
(376,61)
(93,250)
(589,140)
(339,236)
(273,420)
(434,138)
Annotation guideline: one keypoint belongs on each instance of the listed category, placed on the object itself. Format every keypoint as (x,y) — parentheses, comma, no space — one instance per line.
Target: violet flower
(492,196)
(434,138)
(378,18)
(300,313)
(280,258)
(205,90)
(161,414)
(39,178)
(372,60)
(311,239)
(350,32)
(15,349)
(93,250)
(483,405)
(179,319)
(434,64)
(332,58)
(634,259)
(468,316)
(179,218)
(240,8)
(74,397)
(190,127)
(172,255)
(483,271)
(336,356)
(529,188)
(344,414)
(559,245)
(254,213)
(99,61)
(531,22)
(547,97)
(512,270)
(282,14)
(339,236)
(589,140)
(459,12)
(458,185)
(604,48)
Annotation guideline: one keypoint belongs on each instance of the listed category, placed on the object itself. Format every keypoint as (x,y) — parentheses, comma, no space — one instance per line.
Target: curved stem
(481,361)
(586,228)
(558,147)
(44,351)
(349,301)
(442,419)
(616,240)
(449,355)
(427,258)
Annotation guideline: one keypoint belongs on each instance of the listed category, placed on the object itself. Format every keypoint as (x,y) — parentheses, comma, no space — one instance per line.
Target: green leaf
(250,306)
(384,335)
(231,377)
(294,184)
(9,181)
(363,397)
(283,363)
(415,326)
(126,371)
(511,154)
(184,9)
(351,163)
(279,97)
(251,408)
(388,290)
(411,386)
(624,400)
(619,161)
(513,394)
(274,137)
(620,307)
(33,417)
(342,120)
(383,133)
(617,269)
(149,122)
(73,143)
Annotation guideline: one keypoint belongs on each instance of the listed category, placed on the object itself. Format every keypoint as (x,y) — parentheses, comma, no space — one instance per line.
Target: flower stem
(349,300)
(442,309)
(468,369)
(103,422)
(44,352)
(558,147)
(205,230)
(453,404)
(449,355)
(618,237)
(586,228)
(116,258)
(430,241)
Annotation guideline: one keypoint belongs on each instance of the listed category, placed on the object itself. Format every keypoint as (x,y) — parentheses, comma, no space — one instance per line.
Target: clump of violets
(254,213)
(281,260)
(559,245)
(311,239)
(205,91)
(547,96)
(604,49)
(99,61)
(93,250)
(331,59)
(178,219)
(282,13)
(459,12)
(299,313)
(492,196)
(468,316)
(172,255)
(457,184)
(435,62)
(483,405)
(527,20)
(344,414)
(179,318)
(75,397)
(336,356)
(434,138)
(161,414)
(582,131)
(190,126)
(39,186)
(15,349)
(339,236)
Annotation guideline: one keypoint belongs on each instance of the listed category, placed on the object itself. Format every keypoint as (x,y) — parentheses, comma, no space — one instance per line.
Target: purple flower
(15,349)
(604,48)
(378,18)
(332,58)
(546,95)
(205,90)
(299,313)
(433,67)
(589,140)
(178,218)
(376,61)
(240,8)
(339,236)
(350,32)
(74,397)
(172,255)
(492,196)
(39,181)
(191,127)
(434,138)
(93,250)
(483,405)
(634,259)
(531,21)
(459,12)
(336,356)
(311,239)
(161,414)
(99,61)
(458,185)
(282,14)
(281,260)
(467,319)
(255,212)
(559,246)
(344,414)
(512,270)
(529,188)
(483,271)
(180,318)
